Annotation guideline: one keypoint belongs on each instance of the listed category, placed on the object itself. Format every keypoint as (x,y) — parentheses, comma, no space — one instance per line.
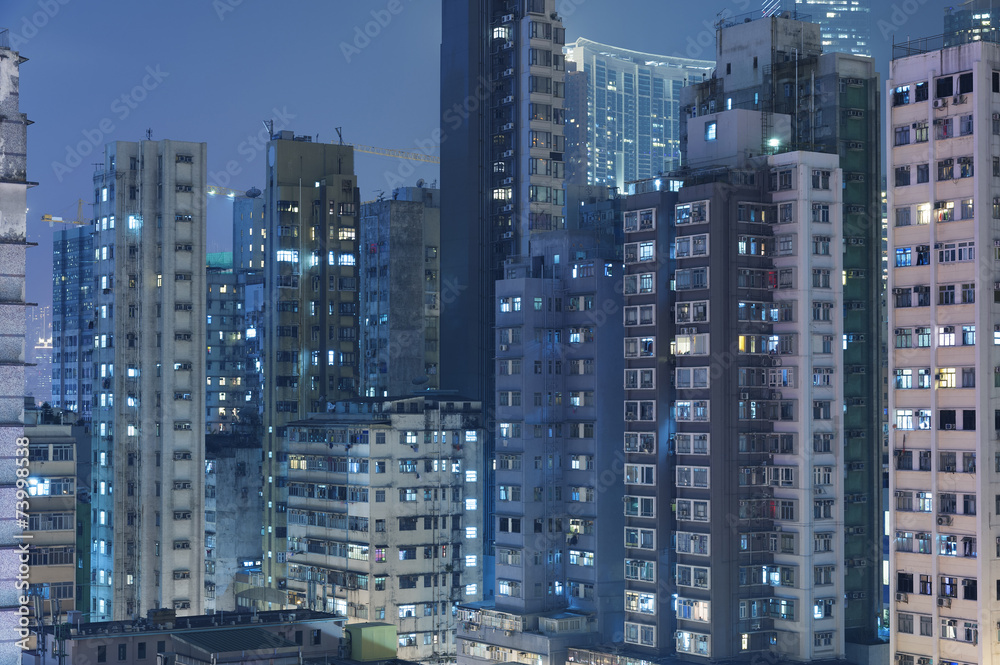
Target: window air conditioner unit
(508,127)
(902,598)
(776,362)
(504,347)
(508,153)
(744,395)
(508,18)
(949,427)
(958,99)
(508,45)
(940,103)
(944,520)
(509,99)
(508,72)
(944,602)
(508,235)
(508,208)
(508,181)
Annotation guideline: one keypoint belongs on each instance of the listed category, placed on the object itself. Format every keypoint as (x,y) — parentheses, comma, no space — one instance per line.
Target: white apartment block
(385,519)
(942,135)
(148,412)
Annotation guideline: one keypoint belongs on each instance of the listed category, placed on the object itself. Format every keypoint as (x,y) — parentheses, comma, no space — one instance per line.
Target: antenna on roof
(340,135)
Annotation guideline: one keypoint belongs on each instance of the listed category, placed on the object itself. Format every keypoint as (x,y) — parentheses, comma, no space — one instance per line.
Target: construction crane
(400,154)
(59,220)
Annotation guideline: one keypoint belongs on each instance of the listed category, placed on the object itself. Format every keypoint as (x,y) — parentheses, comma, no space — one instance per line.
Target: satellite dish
(253,193)
(421,380)
(420,183)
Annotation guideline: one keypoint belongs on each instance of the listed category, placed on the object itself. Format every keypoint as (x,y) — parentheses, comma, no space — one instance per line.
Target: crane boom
(399,154)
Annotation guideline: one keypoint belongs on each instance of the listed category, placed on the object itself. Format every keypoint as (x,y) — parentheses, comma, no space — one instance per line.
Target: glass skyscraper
(845,24)
(623,123)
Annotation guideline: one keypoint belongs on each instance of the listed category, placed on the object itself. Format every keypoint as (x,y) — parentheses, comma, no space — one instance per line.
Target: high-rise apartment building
(148,404)
(401,292)
(384,516)
(309,317)
(558,571)
(778,66)
(225,362)
(943,117)
(13,254)
(52,514)
(502,171)
(623,112)
(232,498)
(248,233)
(846,24)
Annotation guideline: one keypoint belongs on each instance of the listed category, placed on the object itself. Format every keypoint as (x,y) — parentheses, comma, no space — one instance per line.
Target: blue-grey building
(72,319)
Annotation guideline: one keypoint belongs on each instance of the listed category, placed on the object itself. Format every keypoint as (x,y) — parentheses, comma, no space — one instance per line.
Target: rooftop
(210,623)
(243,638)
(922,45)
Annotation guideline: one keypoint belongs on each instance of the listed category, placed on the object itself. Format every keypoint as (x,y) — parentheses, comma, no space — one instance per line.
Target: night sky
(213,70)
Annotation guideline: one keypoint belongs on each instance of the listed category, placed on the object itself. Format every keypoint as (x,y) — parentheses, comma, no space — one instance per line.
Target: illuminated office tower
(845,24)
(72,307)
(623,112)
(970,21)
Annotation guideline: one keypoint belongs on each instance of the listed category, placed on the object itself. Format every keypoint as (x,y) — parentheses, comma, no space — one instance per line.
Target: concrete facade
(781,67)
(13,254)
(385,519)
(309,319)
(558,485)
(52,518)
(942,115)
(148,406)
(233,485)
(401,292)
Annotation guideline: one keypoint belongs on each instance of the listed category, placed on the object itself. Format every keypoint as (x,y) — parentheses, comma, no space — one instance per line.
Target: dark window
(922,92)
(140,650)
(965,83)
(122,651)
(102,654)
(317,637)
(904,583)
(161,646)
(944,87)
(969,419)
(946,419)
(298,637)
